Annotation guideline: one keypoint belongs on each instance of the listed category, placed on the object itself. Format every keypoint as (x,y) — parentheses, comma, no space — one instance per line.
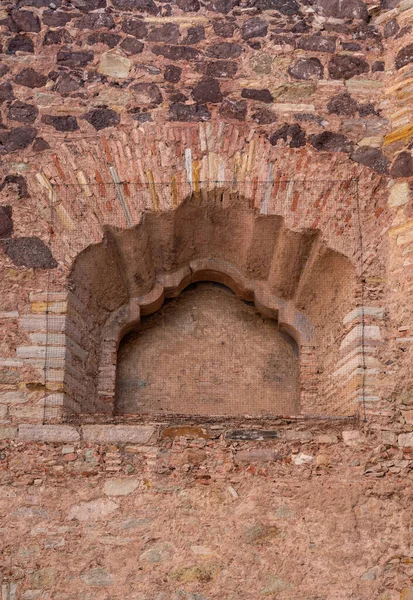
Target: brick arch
(132,271)
(83,189)
(128,316)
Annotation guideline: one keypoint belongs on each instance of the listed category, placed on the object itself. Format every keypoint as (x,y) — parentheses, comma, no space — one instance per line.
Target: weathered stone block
(8,433)
(121,486)
(257,455)
(353,437)
(48,433)
(137,434)
(114,65)
(405,440)
(93,510)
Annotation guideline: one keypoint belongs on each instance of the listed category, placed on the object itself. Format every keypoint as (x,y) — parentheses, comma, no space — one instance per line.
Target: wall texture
(115,117)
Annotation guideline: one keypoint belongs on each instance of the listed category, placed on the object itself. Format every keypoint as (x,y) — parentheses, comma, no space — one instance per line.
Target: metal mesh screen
(249,296)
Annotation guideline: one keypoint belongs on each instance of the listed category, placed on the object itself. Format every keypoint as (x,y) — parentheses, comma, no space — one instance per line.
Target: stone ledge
(8,433)
(136,434)
(48,433)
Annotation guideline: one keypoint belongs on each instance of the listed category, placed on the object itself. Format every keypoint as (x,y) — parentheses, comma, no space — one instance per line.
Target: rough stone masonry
(146,146)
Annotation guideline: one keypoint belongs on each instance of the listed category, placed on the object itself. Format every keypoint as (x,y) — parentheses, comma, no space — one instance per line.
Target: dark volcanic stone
(178,97)
(349,9)
(224,29)
(39,3)
(254,27)
(224,50)
(337,27)
(20,43)
(56,18)
(67,58)
(190,113)
(293,135)
(329,141)
(61,123)
(67,83)
(365,32)
(219,68)
(22,112)
(404,56)
(131,45)
(283,40)
(95,21)
(40,144)
(309,118)
(194,35)
(403,31)
(260,95)
(345,66)
(233,109)
(188,5)
(351,46)
(17,181)
(264,116)
(103,37)
(300,27)
(88,5)
(391,28)
(252,434)
(29,252)
(389,4)
(138,115)
(317,43)
(10,24)
(307,68)
(342,104)
(6,222)
(371,157)
(30,78)
(57,36)
(3,69)
(177,52)
(102,117)
(378,65)
(285,7)
(168,33)
(6,92)
(172,73)
(207,90)
(144,6)
(16,139)
(25,20)
(147,94)
(223,6)
(367,109)
(402,166)
(135,27)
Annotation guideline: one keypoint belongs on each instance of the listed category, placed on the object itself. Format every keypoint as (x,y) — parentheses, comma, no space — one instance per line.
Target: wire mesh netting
(210,299)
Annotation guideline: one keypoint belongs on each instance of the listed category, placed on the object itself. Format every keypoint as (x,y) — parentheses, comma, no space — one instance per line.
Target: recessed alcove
(207,353)
(134,316)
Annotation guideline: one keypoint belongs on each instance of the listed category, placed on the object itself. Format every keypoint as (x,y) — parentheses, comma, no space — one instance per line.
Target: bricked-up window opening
(291,248)
(207,353)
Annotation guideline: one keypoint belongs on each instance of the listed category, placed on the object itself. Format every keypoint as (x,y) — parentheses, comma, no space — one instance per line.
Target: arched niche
(132,271)
(209,354)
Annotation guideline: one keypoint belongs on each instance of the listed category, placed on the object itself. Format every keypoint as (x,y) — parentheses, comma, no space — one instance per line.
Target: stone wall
(116,113)
(199,513)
